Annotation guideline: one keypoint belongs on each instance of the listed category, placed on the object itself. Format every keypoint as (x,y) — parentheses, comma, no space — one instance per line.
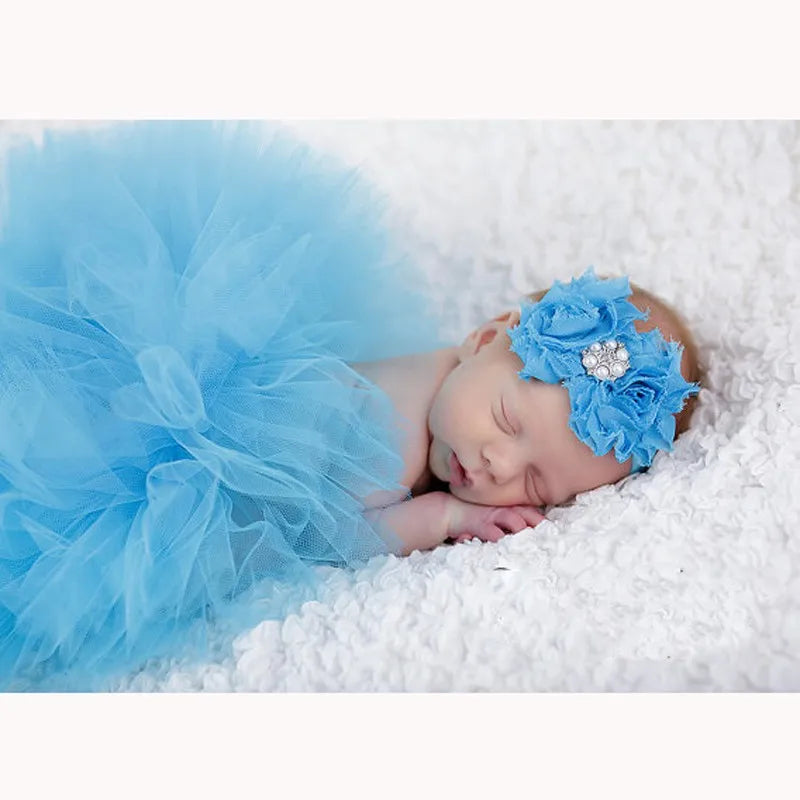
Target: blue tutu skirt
(182,440)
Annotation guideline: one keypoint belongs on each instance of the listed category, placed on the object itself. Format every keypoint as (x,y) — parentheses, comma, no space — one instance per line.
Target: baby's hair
(673,328)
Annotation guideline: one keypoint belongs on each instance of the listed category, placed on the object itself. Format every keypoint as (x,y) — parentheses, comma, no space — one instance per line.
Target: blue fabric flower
(633,414)
(551,333)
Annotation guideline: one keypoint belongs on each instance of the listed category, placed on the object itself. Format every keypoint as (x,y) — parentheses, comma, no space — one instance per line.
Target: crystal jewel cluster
(607,360)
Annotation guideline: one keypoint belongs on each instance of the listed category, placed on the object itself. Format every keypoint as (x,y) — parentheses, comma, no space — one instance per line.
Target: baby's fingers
(532,515)
(493,533)
(509,519)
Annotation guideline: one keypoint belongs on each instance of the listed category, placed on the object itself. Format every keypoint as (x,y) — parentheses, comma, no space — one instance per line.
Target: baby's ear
(486,334)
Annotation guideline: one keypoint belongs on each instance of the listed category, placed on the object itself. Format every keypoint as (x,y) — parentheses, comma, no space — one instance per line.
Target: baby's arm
(419,523)
(430,519)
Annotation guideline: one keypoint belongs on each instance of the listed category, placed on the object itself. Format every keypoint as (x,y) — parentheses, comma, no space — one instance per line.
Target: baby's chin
(486,496)
(457,491)
(469,495)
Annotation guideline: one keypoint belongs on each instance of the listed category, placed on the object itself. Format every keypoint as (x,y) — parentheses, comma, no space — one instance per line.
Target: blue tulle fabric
(182,437)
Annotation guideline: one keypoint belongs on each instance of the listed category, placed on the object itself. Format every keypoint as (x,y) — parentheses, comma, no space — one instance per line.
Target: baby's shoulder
(398,378)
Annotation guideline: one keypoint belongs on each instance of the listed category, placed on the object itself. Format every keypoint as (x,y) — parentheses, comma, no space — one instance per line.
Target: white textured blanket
(687,578)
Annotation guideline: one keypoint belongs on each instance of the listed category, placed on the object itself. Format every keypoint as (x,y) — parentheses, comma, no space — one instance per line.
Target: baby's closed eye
(502,420)
(507,419)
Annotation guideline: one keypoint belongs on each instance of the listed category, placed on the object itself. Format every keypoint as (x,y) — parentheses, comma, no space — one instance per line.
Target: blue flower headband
(624,387)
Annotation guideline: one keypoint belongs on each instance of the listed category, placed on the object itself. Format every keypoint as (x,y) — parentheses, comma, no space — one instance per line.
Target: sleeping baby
(579,389)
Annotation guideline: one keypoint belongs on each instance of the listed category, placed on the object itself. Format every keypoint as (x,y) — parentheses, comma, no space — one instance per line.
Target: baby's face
(511,437)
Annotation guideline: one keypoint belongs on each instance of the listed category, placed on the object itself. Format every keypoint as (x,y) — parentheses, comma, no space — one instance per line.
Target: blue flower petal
(633,414)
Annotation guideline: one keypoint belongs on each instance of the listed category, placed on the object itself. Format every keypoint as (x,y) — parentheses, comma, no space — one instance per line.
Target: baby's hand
(488,523)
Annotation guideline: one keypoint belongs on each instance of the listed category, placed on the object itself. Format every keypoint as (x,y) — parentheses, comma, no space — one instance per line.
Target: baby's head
(501,439)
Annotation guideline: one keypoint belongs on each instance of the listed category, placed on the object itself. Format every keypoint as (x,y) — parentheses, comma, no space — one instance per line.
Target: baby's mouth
(458,475)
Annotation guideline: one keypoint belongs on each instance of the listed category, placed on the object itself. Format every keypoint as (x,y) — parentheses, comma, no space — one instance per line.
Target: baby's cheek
(443,416)
(591,471)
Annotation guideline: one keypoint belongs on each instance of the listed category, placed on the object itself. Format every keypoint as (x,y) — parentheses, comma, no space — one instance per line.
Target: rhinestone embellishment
(607,360)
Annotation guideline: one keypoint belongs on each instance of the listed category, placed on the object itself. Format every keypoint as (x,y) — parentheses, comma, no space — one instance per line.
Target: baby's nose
(500,462)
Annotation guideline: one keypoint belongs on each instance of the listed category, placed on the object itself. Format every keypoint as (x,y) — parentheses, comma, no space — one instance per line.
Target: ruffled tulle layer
(180,432)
